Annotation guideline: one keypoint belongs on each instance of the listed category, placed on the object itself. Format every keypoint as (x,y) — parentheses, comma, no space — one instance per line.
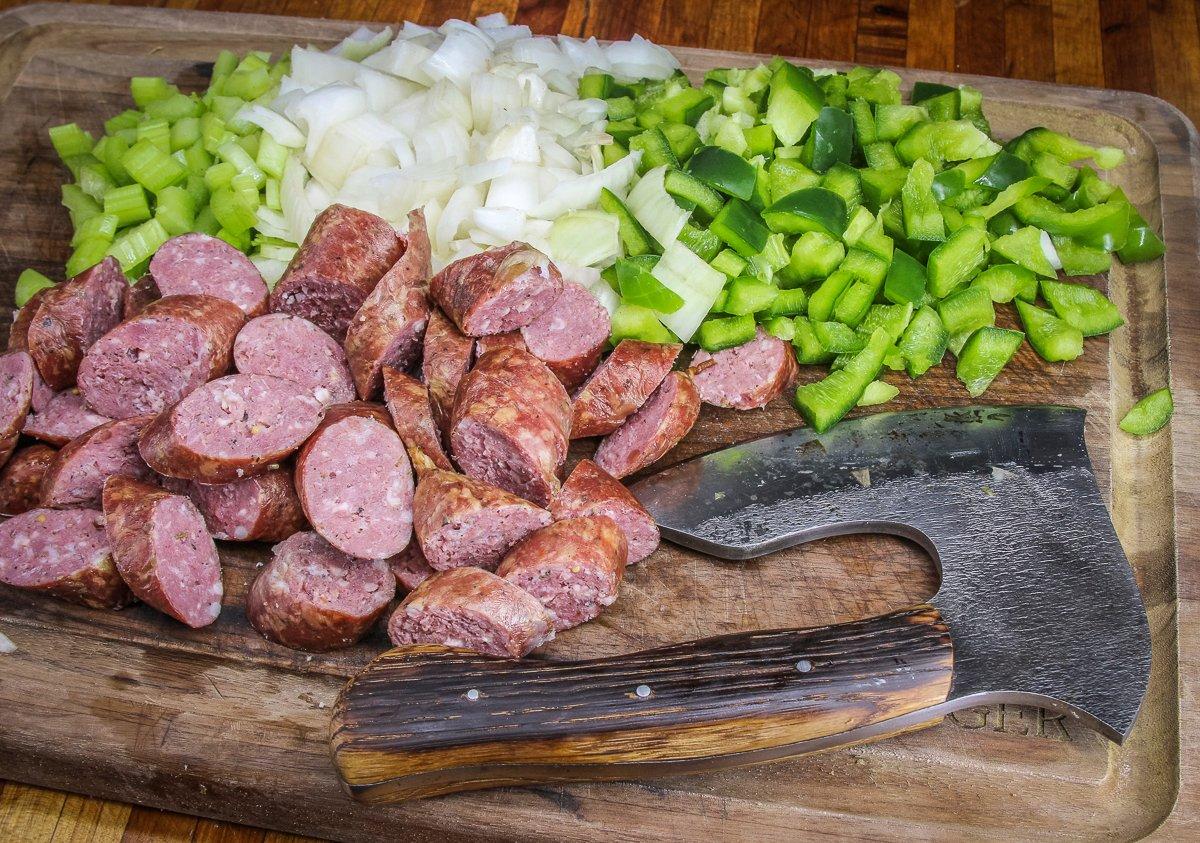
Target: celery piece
(29,282)
(148,89)
(173,108)
(271,195)
(152,168)
(239,240)
(79,205)
(232,210)
(111,150)
(219,175)
(175,210)
(127,119)
(1150,414)
(185,133)
(272,156)
(128,204)
(230,152)
(95,180)
(157,132)
(206,223)
(197,160)
(226,62)
(87,254)
(213,132)
(68,139)
(99,226)
(136,245)
(248,83)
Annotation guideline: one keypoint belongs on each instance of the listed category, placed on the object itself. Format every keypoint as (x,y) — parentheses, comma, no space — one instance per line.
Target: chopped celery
(136,245)
(68,139)
(175,210)
(29,282)
(128,204)
(148,89)
(152,168)
(101,225)
(87,254)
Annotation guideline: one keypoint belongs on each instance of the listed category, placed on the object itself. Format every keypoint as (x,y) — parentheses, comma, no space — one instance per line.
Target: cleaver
(1037,606)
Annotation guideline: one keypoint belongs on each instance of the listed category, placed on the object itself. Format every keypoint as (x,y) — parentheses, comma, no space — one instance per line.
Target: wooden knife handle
(422,721)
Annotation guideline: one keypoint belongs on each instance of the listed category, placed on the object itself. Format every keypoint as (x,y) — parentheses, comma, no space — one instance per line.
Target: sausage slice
(264,508)
(409,567)
(163,550)
(64,553)
(199,264)
(498,290)
(234,427)
(472,609)
(311,596)
(447,359)
(390,324)
(412,415)
(653,430)
(139,296)
(747,376)
(590,490)
(64,417)
(355,482)
(570,336)
(73,315)
(620,386)
(286,346)
(459,521)
(16,397)
(21,479)
(511,423)
(18,332)
(491,342)
(343,256)
(77,475)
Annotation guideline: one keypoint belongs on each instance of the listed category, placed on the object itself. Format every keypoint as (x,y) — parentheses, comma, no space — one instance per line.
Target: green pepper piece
(822,300)
(793,103)
(634,238)
(719,334)
(1004,170)
(873,84)
(623,130)
(808,348)
(824,403)
(634,322)
(877,392)
(1003,223)
(739,226)
(787,175)
(922,217)
(1141,243)
(792,302)
(1051,337)
(811,209)
(881,155)
(693,192)
(905,281)
(1006,281)
(943,107)
(893,318)
(1065,147)
(1011,195)
(835,86)
(864,122)
(1149,415)
(923,343)
(1078,259)
(1103,226)
(967,310)
(985,355)
(831,140)
(722,170)
(684,140)
(960,177)
(619,108)
(613,152)
(852,306)
(702,241)
(780,326)
(1024,247)
(656,152)
(882,186)
(892,122)
(815,255)
(638,286)
(596,86)
(729,262)
(760,140)
(749,295)
(837,338)
(846,182)
(956,261)
(925,90)
(686,106)
(1084,307)
(1091,190)
(1060,173)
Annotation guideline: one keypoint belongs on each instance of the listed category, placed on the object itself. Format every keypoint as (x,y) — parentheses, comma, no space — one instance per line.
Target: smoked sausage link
(163,550)
(459,521)
(654,429)
(148,363)
(388,328)
(64,553)
(409,405)
(574,567)
(747,376)
(64,417)
(311,596)
(511,424)
(590,490)
(139,296)
(620,386)
(234,427)
(570,336)
(199,264)
(21,479)
(73,315)
(410,568)
(447,358)
(286,346)
(264,508)
(498,290)
(77,476)
(355,482)
(472,609)
(18,332)
(16,397)
(343,256)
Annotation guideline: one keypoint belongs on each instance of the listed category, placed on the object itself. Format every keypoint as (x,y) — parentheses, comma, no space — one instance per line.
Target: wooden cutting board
(219,722)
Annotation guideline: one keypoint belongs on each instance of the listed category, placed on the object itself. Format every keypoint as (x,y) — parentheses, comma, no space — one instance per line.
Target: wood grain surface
(1150,47)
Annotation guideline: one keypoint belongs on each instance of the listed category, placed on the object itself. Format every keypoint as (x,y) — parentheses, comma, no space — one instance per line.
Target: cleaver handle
(427,720)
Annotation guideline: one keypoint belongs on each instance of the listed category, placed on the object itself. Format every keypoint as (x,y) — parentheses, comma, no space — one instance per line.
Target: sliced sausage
(64,553)
(163,550)
(311,596)
(234,427)
(355,482)
(287,346)
(498,290)
(73,315)
(573,567)
(343,256)
(620,386)
(64,417)
(21,479)
(77,476)
(459,521)
(388,328)
(16,397)
(198,264)
(570,336)
(447,359)
(264,508)
(148,363)
(653,430)
(412,415)
(409,567)
(512,339)
(590,490)
(747,376)
(18,332)
(139,296)
(511,423)
(472,609)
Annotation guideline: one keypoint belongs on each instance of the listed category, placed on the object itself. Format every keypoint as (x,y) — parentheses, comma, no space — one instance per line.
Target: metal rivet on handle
(804,665)
(473,694)
(642,691)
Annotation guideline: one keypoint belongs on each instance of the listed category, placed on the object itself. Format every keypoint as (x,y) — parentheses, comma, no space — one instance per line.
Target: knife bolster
(409,726)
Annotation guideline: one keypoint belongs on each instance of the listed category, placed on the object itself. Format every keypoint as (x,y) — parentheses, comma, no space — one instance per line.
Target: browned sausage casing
(409,405)
(654,429)
(620,386)
(498,290)
(73,315)
(21,479)
(590,490)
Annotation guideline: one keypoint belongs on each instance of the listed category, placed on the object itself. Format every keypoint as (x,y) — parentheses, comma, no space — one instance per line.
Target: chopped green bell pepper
(1006,281)
(637,286)
(634,322)
(905,281)
(922,217)
(811,209)
(740,227)
(830,141)
(1084,307)
(1103,226)
(1067,148)
(837,338)
(985,355)
(634,238)
(956,261)
(722,170)
(815,255)
(1078,259)
(749,295)
(967,310)
(793,103)
(718,334)
(923,343)
(877,392)
(1149,415)
(1024,247)
(824,403)
(822,300)
(1051,337)
(808,348)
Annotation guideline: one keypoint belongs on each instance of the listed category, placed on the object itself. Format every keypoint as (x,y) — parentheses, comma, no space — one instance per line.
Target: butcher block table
(135,708)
